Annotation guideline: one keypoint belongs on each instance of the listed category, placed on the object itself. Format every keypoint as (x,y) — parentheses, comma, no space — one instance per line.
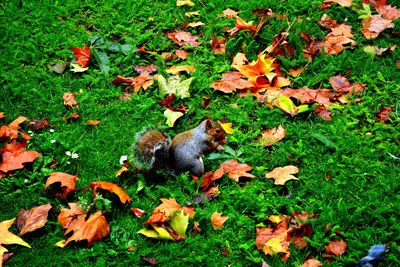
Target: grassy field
(349,170)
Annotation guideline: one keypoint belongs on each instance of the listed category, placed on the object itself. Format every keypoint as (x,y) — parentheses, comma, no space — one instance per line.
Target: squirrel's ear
(208,124)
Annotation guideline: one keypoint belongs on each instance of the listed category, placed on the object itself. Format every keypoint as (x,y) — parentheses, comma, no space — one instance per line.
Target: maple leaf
(33,219)
(14,156)
(313,46)
(67,183)
(82,55)
(72,219)
(8,238)
(178,69)
(339,37)
(144,80)
(336,247)
(312,263)
(12,130)
(234,169)
(280,45)
(271,136)
(174,85)
(164,211)
(263,66)
(69,100)
(306,95)
(172,116)
(113,188)
(231,81)
(217,220)
(282,175)
(384,114)
(327,22)
(95,228)
(241,25)
(218,45)
(374,25)
(182,54)
(323,112)
(388,12)
(342,85)
(229,13)
(183,38)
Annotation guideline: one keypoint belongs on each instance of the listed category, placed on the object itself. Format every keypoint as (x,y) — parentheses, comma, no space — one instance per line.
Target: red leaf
(384,114)
(218,45)
(82,55)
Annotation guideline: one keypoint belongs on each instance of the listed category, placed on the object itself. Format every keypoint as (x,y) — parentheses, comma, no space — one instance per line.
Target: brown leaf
(282,175)
(229,13)
(95,228)
(196,228)
(217,220)
(14,156)
(323,112)
(336,247)
(183,38)
(73,116)
(231,81)
(374,25)
(113,188)
(327,22)
(150,261)
(144,80)
(39,124)
(72,219)
(342,85)
(388,12)
(67,183)
(384,114)
(234,169)
(338,39)
(271,136)
(312,263)
(218,45)
(35,218)
(280,45)
(69,100)
(6,256)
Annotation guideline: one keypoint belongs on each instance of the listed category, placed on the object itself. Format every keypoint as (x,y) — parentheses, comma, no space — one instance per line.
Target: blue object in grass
(375,254)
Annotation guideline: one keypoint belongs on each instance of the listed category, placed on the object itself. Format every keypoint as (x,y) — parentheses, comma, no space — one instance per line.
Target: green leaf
(172,116)
(102,60)
(174,85)
(180,223)
(364,10)
(285,103)
(74,67)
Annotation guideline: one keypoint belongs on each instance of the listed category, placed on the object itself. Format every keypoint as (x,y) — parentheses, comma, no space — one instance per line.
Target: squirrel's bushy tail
(151,149)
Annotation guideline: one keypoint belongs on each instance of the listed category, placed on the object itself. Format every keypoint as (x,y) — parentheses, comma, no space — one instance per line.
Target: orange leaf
(218,45)
(14,156)
(15,124)
(183,38)
(231,81)
(72,219)
(323,112)
(113,188)
(271,136)
(336,247)
(35,218)
(95,228)
(388,12)
(69,100)
(179,69)
(241,25)
(164,211)
(384,114)
(217,220)
(374,25)
(282,175)
(339,37)
(234,169)
(345,3)
(67,182)
(144,80)
(82,55)
(312,263)
(92,122)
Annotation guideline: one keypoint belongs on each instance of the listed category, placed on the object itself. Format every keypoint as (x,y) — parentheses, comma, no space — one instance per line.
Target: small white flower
(122,159)
(53,141)
(68,162)
(51,130)
(74,155)
(30,132)
(68,153)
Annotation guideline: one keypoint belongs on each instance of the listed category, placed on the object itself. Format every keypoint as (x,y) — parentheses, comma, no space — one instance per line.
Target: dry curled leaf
(69,100)
(113,188)
(271,136)
(33,219)
(67,183)
(183,38)
(72,219)
(282,175)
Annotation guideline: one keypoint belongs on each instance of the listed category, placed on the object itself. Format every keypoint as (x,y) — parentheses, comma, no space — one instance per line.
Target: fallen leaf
(312,263)
(67,183)
(234,169)
(35,218)
(241,25)
(183,38)
(384,114)
(113,188)
(92,122)
(184,3)
(144,80)
(14,156)
(172,116)
(280,45)
(276,245)
(323,112)
(374,25)
(76,68)
(95,228)
(193,13)
(8,238)
(74,116)
(327,22)
(218,45)
(196,228)
(229,13)
(195,24)
(338,39)
(58,67)
(137,212)
(345,3)
(174,85)
(69,100)
(271,136)
(15,123)
(282,175)
(39,124)
(336,247)
(148,69)
(178,69)
(263,66)
(342,85)
(227,127)
(82,55)
(217,220)
(6,256)
(231,81)
(182,54)
(166,209)
(72,219)
(388,12)
(151,261)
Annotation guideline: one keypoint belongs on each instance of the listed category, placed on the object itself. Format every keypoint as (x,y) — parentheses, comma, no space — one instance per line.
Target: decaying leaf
(218,45)
(183,38)
(388,12)
(69,100)
(336,247)
(72,219)
(234,169)
(33,219)
(384,114)
(113,188)
(67,183)
(229,13)
(8,238)
(323,112)
(312,263)
(164,211)
(374,25)
(345,3)
(39,124)
(217,220)
(231,81)
(175,86)
(271,136)
(338,39)
(282,175)
(342,85)
(144,80)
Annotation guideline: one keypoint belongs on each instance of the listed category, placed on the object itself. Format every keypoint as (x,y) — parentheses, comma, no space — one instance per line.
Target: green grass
(360,199)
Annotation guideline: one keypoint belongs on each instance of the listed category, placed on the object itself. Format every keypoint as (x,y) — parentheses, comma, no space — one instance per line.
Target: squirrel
(155,151)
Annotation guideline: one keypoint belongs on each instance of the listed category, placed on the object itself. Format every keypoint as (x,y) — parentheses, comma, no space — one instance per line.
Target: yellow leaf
(184,3)
(217,220)
(61,244)
(275,218)
(8,238)
(193,13)
(274,246)
(180,223)
(227,127)
(282,175)
(172,116)
(178,69)
(77,68)
(285,103)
